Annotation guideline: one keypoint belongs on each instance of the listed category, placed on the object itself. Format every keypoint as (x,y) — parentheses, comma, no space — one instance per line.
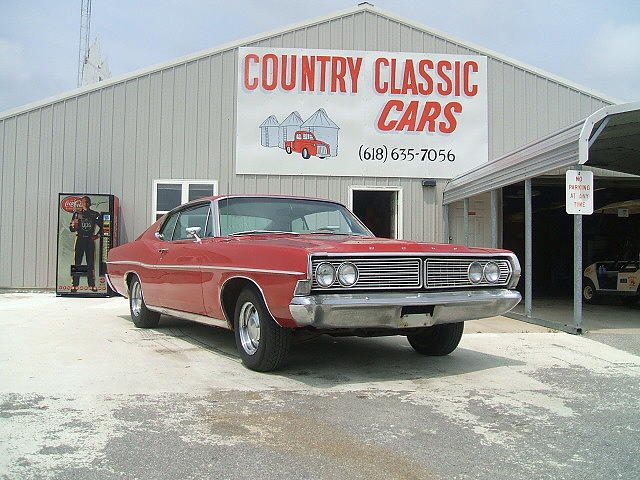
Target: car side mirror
(193,232)
(159,236)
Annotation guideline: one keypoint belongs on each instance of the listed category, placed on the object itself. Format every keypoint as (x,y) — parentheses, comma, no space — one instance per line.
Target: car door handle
(163,250)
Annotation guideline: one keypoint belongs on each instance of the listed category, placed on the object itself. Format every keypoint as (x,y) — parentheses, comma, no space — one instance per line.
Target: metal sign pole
(577,269)
(465,221)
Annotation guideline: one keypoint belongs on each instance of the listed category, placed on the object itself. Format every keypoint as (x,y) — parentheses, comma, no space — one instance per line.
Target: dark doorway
(378,211)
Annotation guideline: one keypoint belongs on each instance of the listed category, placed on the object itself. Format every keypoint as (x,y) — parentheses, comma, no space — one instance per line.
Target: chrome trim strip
(202,267)
(194,317)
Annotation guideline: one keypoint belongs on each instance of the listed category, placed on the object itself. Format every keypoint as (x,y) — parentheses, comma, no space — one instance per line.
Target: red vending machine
(87,229)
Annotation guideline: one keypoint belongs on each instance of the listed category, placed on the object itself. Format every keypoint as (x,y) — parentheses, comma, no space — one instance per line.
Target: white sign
(623,212)
(579,192)
(360,113)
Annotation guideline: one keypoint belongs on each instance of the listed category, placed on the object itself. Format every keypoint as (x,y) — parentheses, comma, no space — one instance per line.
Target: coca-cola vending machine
(87,229)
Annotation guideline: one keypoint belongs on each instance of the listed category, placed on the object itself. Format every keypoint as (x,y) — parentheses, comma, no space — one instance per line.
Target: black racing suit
(85,246)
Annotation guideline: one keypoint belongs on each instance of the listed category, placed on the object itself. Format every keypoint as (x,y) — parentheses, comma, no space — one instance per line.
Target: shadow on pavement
(327,361)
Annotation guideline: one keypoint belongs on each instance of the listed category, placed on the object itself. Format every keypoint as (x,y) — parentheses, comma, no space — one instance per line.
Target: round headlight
(325,274)
(475,272)
(347,274)
(492,272)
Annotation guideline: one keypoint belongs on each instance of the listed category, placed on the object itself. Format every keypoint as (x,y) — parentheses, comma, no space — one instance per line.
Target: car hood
(356,244)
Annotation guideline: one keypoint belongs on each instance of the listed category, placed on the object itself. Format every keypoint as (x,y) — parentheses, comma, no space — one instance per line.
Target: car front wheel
(589,293)
(142,317)
(262,343)
(305,153)
(437,340)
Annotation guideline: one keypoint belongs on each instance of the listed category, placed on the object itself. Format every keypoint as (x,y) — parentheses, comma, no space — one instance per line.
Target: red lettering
(409,117)
(430,113)
(308,73)
(422,71)
(470,89)
(394,90)
(442,66)
(409,83)
(354,71)
(323,59)
(294,70)
(391,124)
(338,71)
(269,74)
(457,77)
(449,110)
(250,84)
(381,87)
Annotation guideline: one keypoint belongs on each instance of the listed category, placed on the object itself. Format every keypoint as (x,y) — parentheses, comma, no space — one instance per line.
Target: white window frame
(383,188)
(184,195)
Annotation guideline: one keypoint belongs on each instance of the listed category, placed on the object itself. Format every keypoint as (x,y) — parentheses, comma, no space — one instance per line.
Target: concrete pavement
(84,394)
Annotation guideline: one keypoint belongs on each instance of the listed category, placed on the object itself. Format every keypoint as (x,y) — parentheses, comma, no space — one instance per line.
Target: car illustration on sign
(278,269)
(620,278)
(306,144)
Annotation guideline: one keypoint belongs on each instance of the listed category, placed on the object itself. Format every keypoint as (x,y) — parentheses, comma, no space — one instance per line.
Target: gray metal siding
(180,122)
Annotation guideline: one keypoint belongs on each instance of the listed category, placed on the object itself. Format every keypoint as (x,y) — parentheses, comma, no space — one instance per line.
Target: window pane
(167,228)
(192,217)
(169,196)
(199,190)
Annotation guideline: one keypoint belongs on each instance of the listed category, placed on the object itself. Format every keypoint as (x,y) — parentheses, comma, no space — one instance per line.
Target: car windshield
(254,215)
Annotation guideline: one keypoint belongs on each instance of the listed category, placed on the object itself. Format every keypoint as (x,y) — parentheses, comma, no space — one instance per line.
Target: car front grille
(323,150)
(412,273)
(377,273)
(452,272)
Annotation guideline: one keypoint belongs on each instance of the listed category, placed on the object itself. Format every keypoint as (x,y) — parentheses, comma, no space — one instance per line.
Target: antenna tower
(85,32)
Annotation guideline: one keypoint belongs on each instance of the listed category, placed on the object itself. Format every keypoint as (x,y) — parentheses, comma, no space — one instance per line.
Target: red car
(274,269)
(307,144)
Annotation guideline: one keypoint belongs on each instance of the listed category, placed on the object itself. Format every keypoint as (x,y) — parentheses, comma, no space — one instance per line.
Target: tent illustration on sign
(315,136)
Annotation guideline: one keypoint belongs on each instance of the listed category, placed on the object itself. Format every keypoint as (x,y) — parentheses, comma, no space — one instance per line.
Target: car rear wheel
(305,153)
(589,292)
(437,340)
(262,343)
(142,317)
(288,150)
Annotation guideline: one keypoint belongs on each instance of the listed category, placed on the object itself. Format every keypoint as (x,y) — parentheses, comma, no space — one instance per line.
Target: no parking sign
(579,192)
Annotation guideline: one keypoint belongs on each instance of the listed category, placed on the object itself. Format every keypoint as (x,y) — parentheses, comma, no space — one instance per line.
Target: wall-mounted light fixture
(428,182)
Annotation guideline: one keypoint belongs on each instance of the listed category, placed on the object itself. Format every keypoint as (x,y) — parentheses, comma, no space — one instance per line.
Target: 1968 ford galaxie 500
(273,269)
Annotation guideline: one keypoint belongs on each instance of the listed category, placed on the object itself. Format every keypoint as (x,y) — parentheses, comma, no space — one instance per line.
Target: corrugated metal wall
(179,122)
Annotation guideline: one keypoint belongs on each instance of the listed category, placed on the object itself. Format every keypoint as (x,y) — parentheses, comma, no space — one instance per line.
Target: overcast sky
(593,43)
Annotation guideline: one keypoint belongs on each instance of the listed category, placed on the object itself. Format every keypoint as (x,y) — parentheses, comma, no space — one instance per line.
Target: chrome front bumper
(385,310)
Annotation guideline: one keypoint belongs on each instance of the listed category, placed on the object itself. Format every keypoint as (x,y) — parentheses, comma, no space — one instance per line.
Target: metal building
(175,124)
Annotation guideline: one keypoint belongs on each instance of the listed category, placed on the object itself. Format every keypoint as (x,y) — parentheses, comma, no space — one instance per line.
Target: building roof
(319,119)
(271,121)
(294,119)
(364,7)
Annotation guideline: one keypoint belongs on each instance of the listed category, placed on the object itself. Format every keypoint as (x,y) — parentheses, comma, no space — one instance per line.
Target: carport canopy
(609,138)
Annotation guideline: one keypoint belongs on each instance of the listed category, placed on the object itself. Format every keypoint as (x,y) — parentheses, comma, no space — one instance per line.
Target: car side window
(169,226)
(191,217)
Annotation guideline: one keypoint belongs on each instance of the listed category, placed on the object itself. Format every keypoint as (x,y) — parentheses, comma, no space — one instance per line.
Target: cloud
(13,64)
(614,61)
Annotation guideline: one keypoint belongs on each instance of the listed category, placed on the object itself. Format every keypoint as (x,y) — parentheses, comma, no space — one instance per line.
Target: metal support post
(577,269)
(494,218)
(465,221)
(528,244)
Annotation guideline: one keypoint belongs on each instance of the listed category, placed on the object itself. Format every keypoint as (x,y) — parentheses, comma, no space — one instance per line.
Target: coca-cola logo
(71,204)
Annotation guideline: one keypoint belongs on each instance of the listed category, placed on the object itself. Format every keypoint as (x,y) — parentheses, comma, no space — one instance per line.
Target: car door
(179,265)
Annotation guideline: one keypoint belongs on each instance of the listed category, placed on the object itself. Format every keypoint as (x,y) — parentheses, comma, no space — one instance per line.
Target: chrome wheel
(136,298)
(249,328)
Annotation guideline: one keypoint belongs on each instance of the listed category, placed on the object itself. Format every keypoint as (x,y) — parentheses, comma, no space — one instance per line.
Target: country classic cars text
(435,86)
